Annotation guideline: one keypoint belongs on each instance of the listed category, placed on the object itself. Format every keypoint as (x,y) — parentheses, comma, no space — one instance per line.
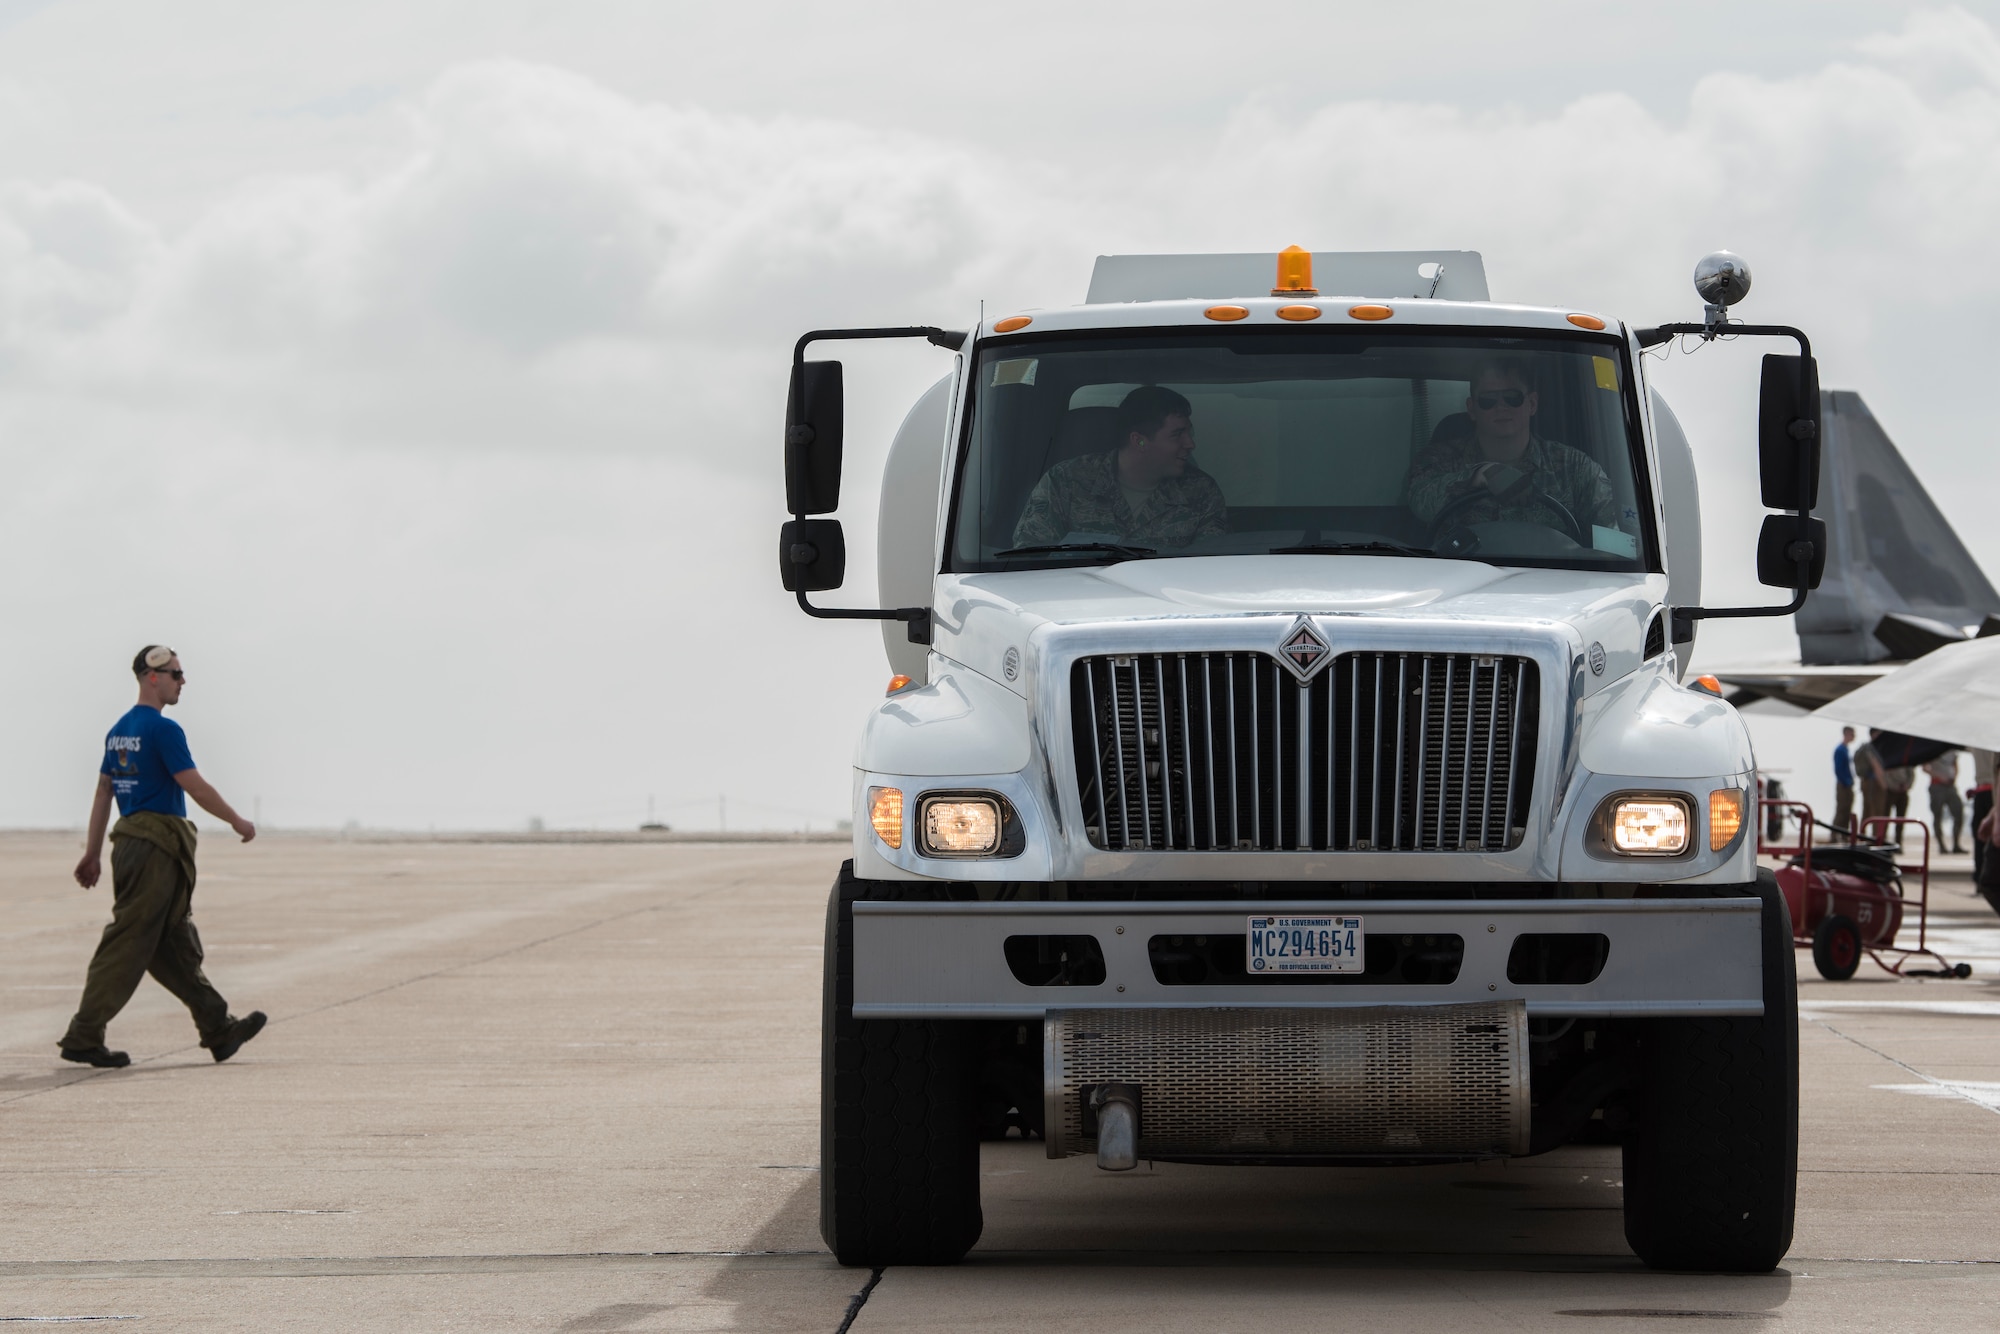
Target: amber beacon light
(1295,273)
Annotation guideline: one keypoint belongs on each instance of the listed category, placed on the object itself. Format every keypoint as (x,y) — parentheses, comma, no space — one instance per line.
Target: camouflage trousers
(151,931)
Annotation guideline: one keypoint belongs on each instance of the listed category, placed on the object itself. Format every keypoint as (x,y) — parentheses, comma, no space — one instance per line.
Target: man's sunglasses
(1513,398)
(176,673)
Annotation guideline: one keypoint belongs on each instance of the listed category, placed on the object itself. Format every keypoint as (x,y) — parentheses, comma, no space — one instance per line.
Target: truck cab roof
(1436,287)
(1443,275)
(1333,310)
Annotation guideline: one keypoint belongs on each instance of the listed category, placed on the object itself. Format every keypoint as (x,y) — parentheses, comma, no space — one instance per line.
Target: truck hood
(981,617)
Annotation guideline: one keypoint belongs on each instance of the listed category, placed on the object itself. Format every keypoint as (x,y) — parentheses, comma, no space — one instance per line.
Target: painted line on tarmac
(1944,1088)
(1985,1093)
(1970,1008)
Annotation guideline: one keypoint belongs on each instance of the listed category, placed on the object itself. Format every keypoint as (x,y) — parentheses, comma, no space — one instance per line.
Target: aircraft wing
(1952,694)
(1801,687)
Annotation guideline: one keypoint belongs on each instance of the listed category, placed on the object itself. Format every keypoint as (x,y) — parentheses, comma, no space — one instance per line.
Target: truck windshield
(1511,450)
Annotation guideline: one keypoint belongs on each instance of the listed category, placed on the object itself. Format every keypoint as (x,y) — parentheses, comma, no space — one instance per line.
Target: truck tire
(1837,948)
(1711,1161)
(899,1135)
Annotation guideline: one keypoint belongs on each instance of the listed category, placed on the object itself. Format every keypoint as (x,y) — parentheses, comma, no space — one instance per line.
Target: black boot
(102,1057)
(239,1032)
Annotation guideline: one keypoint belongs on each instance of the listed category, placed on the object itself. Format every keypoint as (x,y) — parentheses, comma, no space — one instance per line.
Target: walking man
(1843,780)
(148,769)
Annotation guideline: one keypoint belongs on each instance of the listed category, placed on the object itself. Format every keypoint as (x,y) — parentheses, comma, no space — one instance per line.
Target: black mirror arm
(1685,617)
(1659,334)
(917,618)
(949,339)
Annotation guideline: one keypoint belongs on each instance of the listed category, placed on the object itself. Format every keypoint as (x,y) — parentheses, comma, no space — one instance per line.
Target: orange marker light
(1586,321)
(1298,312)
(1725,817)
(898,682)
(1369,312)
(885,812)
(1227,312)
(1710,684)
(1295,273)
(1011,323)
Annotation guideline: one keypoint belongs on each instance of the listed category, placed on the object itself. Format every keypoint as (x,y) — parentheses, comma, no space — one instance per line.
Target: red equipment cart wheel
(1837,948)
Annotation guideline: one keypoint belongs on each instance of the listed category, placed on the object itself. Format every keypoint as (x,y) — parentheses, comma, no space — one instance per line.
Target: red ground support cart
(1847,898)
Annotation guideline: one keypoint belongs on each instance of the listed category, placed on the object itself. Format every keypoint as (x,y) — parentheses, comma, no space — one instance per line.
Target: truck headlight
(961,826)
(1649,826)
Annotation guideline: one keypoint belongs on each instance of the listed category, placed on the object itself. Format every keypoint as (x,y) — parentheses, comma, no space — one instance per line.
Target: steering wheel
(1570,527)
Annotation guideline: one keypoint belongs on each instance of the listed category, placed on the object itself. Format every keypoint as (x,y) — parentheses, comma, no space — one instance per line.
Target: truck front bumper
(1663,957)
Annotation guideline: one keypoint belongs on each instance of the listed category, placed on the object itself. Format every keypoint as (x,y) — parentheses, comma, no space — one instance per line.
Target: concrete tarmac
(573,1086)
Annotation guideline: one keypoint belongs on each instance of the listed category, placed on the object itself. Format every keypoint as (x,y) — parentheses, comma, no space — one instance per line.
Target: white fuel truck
(1288,758)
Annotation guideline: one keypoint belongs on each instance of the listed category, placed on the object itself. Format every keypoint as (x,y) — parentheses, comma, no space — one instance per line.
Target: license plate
(1305,945)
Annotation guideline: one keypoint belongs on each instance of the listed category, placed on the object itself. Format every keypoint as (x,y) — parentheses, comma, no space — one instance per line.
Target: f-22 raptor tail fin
(1891,554)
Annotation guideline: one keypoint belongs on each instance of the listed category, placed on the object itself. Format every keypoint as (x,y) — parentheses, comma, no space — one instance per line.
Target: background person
(1986,880)
(1896,785)
(1869,773)
(1943,773)
(1843,779)
(1980,794)
(1146,491)
(148,770)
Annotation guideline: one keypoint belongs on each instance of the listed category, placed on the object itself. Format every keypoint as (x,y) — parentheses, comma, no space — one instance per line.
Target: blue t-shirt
(1843,766)
(142,753)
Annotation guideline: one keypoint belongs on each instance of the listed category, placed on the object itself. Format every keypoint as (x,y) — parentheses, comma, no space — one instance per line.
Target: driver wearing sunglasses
(1503,457)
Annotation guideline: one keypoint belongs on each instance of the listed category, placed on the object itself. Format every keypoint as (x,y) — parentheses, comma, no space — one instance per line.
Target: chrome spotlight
(1722,279)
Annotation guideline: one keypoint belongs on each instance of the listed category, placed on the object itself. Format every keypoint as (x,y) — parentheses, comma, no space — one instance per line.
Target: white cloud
(513,388)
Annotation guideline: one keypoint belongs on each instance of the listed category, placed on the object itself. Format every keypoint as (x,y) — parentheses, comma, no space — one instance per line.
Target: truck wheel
(899,1137)
(1711,1161)
(1837,948)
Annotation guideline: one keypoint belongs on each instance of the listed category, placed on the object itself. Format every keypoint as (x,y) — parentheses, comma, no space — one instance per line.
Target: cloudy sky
(416,369)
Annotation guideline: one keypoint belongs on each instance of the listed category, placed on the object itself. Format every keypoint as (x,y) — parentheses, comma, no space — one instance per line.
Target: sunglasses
(1513,398)
(177,673)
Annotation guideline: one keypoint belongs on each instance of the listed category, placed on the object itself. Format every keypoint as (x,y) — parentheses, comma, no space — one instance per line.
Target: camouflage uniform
(1443,472)
(1082,495)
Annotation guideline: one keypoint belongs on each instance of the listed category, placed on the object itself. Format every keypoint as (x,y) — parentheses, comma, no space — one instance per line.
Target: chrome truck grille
(1415,1081)
(1412,752)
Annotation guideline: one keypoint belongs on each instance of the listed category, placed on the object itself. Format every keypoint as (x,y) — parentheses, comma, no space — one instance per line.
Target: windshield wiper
(1351,549)
(1116,548)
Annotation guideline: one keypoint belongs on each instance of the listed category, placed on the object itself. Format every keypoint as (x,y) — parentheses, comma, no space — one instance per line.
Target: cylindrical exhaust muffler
(1408,1082)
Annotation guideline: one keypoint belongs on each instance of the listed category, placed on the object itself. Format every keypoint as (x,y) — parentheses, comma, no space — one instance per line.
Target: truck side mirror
(812,554)
(1778,552)
(813,413)
(1788,433)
